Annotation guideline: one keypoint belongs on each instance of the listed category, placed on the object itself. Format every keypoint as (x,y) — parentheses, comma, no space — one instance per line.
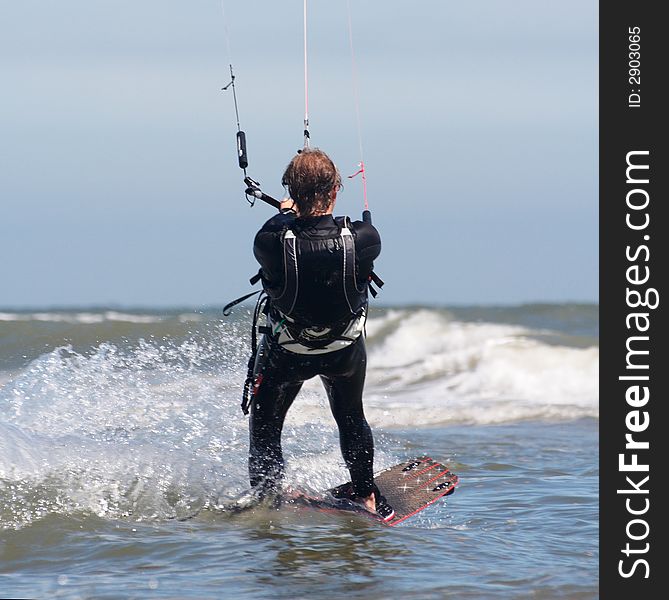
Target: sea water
(121,435)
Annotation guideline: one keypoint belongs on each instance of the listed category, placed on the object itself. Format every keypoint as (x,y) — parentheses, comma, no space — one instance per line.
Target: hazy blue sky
(118,174)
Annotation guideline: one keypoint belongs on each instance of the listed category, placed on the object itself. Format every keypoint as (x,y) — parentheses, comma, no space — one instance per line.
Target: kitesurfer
(315,270)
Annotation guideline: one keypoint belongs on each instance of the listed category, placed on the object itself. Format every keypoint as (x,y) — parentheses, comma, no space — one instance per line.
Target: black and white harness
(290,321)
(292,326)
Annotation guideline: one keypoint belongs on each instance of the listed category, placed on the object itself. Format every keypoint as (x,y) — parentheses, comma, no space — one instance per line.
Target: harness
(287,328)
(301,334)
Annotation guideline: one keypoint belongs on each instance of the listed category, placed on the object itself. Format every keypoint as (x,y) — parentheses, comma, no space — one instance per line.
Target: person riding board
(315,270)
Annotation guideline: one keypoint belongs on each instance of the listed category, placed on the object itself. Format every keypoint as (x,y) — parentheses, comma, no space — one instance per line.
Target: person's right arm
(367,247)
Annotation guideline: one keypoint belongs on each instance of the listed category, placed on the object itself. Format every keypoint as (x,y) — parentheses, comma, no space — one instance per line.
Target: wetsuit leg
(344,385)
(271,402)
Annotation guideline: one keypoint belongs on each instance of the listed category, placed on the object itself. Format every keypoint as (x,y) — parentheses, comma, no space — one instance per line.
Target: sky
(119,183)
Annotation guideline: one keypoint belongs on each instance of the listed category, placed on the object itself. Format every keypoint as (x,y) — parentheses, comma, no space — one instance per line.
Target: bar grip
(241,150)
(260,195)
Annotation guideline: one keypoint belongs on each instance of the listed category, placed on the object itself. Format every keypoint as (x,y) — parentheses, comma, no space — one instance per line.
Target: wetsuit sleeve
(267,247)
(367,247)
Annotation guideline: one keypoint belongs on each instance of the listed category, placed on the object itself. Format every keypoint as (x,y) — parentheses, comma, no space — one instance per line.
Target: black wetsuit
(279,373)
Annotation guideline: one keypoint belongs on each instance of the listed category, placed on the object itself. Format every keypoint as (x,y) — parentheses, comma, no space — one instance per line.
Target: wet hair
(309,179)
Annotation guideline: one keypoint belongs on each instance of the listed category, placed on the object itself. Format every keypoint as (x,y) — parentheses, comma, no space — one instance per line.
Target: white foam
(5,316)
(67,317)
(112,315)
(18,454)
(6,376)
(85,318)
(190,318)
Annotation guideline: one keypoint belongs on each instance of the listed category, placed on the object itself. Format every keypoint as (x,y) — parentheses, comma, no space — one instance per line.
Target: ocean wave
(141,429)
(81,318)
(426,353)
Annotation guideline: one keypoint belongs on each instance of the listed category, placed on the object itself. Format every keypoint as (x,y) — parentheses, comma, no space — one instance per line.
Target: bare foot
(370,503)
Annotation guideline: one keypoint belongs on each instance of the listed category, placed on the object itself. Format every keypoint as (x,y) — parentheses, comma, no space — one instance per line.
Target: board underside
(408,487)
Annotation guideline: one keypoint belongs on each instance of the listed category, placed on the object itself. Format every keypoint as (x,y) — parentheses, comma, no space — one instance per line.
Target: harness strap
(298,332)
(229,305)
(322,345)
(290,275)
(249,387)
(256,278)
(348,267)
(376,279)
(373,277)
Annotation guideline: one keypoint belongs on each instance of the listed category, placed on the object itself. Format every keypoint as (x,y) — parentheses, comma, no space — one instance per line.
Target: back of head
(310,178)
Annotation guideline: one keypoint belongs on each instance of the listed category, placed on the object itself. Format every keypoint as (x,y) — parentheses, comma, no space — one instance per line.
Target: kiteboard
(408,487)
